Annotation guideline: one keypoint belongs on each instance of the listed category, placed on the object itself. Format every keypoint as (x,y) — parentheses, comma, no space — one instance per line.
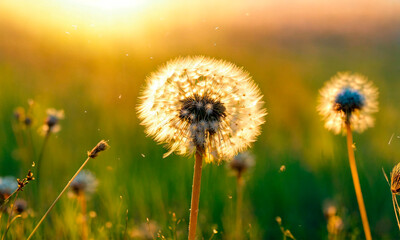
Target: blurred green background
(92,60)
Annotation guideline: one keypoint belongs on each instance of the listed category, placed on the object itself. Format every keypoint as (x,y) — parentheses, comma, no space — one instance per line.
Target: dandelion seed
(391,138)
(348,98)
(201,103)
(85,183)
(143,155)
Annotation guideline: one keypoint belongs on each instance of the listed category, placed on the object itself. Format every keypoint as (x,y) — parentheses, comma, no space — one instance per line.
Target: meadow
(96,76)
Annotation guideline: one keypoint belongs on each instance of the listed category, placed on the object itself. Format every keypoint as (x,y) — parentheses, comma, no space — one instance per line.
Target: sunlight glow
(109,5)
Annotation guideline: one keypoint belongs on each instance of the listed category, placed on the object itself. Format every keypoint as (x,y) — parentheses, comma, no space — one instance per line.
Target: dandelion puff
(202,106)
(201,103)
(346,103)
(239,164)
(85,183)
(8,185)
(20,206)
(348,97)
(242,162)
(51,123)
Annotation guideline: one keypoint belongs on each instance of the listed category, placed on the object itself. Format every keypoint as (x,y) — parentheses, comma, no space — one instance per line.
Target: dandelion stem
(12,208)
(58,197)
(239,203)
(356,182)
(194,207)
(82,200)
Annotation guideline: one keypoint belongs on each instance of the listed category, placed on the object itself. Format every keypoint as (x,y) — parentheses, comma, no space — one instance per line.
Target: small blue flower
(349,100)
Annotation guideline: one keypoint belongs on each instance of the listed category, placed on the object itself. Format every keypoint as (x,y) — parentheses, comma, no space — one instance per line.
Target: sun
(108,5)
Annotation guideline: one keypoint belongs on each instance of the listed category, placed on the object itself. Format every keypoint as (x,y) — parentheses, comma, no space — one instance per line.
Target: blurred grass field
(95,73)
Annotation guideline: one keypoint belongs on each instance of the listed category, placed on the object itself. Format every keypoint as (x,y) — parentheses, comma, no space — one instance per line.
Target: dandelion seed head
(348,98)
(51,124)
(7,186)
(19,114)
(241,162)
(199,103)
(86,182)
(20,206)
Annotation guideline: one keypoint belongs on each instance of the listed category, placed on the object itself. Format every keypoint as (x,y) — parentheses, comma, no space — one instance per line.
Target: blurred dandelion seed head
(85,182)
(241,162)
(51,124)
(20,206)
(199,103)
(348,98)
(7,186)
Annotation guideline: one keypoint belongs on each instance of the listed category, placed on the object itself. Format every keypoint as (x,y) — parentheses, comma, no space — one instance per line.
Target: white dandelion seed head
(86,182)
(348,97)
(199,103)
(7,186)
(242,161)
(51,124)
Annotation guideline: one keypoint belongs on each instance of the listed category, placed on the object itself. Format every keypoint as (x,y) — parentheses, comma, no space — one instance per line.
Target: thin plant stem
(126,225)
(194,207)
(8,227)
(58,197)
(41,153)
(82,201)
(10,214)
(356,182)
(12,208)
(239,203)
(5,202)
